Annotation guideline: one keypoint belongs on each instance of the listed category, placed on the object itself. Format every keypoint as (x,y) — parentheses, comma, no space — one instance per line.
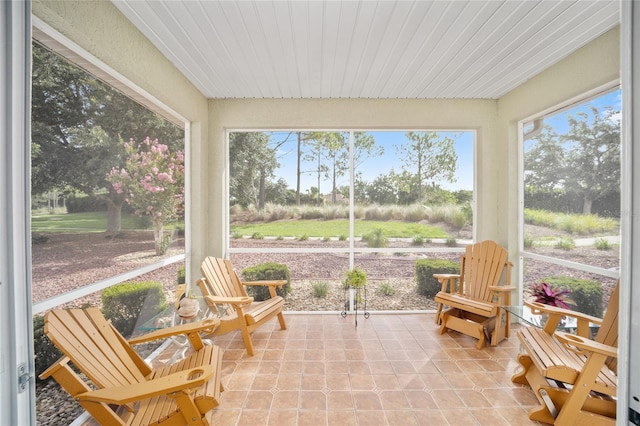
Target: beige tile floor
(392,369)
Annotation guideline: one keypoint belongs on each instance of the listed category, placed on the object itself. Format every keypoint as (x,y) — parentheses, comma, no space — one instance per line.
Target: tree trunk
(114,215)
(586,205)
(261,191)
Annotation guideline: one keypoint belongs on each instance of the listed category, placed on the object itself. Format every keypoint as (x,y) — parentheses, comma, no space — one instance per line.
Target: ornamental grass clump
(544,293)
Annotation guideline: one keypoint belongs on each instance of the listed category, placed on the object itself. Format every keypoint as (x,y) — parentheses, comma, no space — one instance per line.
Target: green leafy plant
(355,278)
(257,236)
(268,271)
(417,240)
(128,304)
(603,244)
(528,241)
(386,289)
(565,243)
(376,239)
(320,288)
(424,270)
(303,237)
(45,351)
(451,242)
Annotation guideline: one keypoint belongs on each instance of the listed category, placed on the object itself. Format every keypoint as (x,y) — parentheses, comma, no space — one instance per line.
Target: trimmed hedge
(424,270)
(45,351)
(588,295)
(128,304)
(267,271)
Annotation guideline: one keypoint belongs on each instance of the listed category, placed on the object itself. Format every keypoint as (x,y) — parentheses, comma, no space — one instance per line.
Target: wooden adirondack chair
(129,392)
(573,377)
(469,302)
(225,294)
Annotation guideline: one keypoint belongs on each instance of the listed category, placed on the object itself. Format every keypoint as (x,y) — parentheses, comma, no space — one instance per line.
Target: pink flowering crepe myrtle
(544,293)
(152,182)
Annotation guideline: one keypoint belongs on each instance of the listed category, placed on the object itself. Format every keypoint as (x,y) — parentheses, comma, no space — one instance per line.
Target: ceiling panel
(367,49)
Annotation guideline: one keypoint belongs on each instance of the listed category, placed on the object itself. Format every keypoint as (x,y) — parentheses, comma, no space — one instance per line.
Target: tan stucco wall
(595,66)
(356,114)
(101,30)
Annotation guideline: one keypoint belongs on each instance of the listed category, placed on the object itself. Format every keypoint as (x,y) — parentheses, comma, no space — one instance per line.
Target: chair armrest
(541,308)
(206,325)
(447,279)
(585,346)
(171,383)
(556,314)
(230,300)
(265,283)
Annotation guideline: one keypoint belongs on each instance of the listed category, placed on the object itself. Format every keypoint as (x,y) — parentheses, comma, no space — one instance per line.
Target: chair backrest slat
(93,346)
(221,278)
(608,331)
(483,266)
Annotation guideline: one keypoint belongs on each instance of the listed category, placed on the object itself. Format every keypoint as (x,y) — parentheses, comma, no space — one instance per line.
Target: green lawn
(336,228)
(83,222)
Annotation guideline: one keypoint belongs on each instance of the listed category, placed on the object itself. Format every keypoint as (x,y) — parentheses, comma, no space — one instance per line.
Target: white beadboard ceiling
(367,49)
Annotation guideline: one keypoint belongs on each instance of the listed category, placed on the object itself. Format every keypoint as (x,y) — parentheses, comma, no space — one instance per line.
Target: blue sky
(375,166)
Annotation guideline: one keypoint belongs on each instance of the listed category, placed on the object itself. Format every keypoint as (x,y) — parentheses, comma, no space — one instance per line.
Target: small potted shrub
(355,278)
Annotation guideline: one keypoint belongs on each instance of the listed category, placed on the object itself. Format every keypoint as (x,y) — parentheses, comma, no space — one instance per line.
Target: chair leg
(283,325)
(246,336)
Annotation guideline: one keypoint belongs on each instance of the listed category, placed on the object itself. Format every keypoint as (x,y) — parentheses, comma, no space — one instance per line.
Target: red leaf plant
(544,293)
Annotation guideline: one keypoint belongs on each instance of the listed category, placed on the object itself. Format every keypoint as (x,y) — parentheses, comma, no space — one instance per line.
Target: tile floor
(392,369)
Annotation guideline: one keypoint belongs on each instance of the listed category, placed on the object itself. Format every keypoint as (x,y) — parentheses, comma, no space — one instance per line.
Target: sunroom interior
(155,53)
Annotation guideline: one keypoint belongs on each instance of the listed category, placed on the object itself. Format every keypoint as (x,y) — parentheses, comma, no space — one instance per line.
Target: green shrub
(236,235)
(386,288)
(267,271)
(565,243)
(603,244)
(182,275)
(45,351)
(257,236)
(326,239)
(528,241)
(303,237)
(376,239)
(279,238)
(418,240)
(424,270)
(342,237)
(355,278)
(320,288)
(587,295)
(87,203)
(451,242)
(128,304)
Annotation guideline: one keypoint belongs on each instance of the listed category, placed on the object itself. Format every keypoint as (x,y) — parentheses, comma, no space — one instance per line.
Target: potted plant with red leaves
(544,293)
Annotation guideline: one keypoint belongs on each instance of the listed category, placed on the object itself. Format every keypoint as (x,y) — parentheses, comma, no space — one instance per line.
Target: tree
(251,162)
(428,157)
(152,181)
(77,123)
(584,161)
(593,155)
(545,162)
